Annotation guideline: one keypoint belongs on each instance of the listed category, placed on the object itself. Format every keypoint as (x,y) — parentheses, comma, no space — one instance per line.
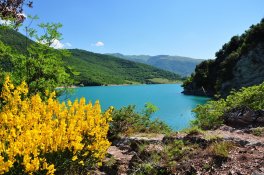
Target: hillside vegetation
(89,68)
(239,63)
(97,69)
(183,66)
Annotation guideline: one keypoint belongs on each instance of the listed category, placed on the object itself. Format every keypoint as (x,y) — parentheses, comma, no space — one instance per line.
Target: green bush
(127,121)
(194,130)
(145,168)
(174,150)
(39,65)
(210,114)
(251,97)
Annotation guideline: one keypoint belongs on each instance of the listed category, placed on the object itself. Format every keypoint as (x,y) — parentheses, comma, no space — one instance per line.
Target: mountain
(97,69)
(239,63)
(136,58)
(183,66)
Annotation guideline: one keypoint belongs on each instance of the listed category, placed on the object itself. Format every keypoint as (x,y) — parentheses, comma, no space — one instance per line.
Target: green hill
(14,39)
(239,63)
(97,69)
(183,66)
(104,69)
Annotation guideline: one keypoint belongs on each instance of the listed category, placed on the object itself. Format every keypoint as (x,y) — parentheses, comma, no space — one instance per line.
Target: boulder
(244,117)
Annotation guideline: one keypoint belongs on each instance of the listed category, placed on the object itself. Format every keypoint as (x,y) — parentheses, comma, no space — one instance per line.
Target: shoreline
(76,86)
(137,84)
(72,86)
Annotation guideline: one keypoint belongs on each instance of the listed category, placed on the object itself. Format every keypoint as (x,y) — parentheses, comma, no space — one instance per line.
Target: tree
(12,10)
(40,66)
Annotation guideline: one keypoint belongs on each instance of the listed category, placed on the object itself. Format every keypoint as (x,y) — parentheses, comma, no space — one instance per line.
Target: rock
(256,144)
(190,90)
(248,70)
(232,172)
(257,173)
(243,117)
(154,148)
(239,131)
(197,139)
(227,128)
(191,171)
(157,138)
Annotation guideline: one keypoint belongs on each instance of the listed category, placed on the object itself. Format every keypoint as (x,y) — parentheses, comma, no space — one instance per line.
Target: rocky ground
(198,156)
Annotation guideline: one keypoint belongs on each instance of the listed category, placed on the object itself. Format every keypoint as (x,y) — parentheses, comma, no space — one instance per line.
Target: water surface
(174,107)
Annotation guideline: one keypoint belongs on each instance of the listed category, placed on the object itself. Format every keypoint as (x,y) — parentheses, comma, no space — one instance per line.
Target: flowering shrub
(39,136)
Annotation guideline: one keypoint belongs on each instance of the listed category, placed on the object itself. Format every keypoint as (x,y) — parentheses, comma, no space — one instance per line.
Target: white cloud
(68,44)
(5,22)
(57,44)
(22,14)
(99,44)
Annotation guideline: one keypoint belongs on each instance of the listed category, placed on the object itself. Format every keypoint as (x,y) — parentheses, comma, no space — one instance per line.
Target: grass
(221,149)
(164,81)
(147,135)
(258,131)
(194,130)
(110,162)
(132,82)
(212,137)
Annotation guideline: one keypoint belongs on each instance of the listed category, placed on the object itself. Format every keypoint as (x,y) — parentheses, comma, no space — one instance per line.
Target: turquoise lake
(174,107)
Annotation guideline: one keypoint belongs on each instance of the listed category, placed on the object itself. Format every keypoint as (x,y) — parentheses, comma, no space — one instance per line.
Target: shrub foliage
(210,114)
(127,121)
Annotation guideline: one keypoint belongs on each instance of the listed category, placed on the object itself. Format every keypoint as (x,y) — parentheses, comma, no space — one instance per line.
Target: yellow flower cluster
(30,128)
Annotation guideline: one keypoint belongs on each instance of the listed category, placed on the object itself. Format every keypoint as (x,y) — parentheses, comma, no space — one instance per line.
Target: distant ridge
(183,66)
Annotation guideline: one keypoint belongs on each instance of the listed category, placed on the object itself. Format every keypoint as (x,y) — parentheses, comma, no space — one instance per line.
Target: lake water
(174,107)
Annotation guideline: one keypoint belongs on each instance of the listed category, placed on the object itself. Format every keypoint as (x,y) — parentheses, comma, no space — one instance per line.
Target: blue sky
(193,28)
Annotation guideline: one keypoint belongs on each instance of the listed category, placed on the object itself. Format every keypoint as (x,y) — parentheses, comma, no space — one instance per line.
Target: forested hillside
(239,63)
(96,69)
(89,68)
